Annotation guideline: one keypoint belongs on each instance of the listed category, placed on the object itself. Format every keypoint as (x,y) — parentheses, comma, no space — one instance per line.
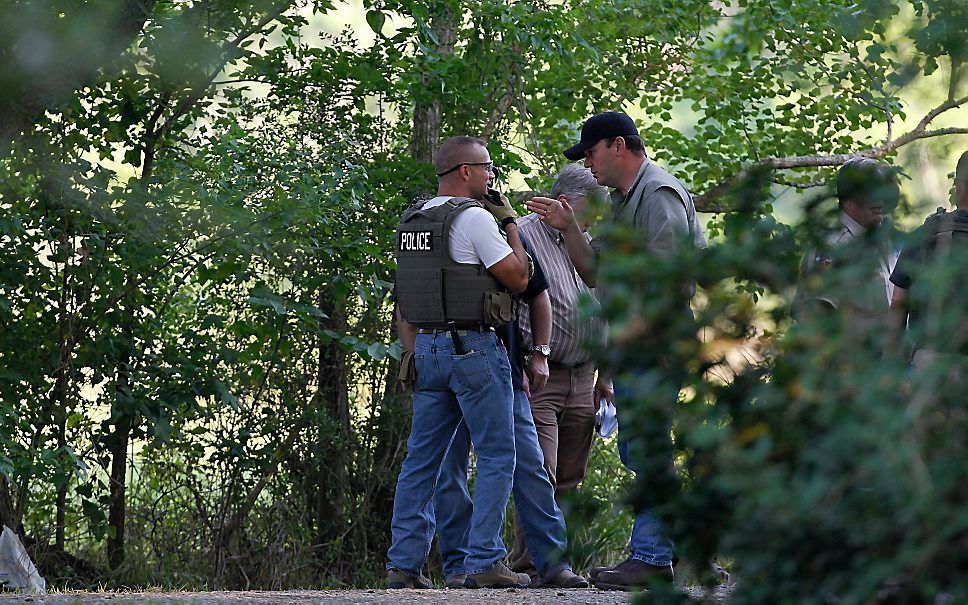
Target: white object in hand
(606,422)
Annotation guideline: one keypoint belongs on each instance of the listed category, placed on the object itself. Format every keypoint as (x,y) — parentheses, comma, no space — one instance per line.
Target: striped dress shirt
(572,335)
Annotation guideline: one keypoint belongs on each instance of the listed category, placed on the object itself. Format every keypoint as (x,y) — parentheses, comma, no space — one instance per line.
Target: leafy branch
(712,200)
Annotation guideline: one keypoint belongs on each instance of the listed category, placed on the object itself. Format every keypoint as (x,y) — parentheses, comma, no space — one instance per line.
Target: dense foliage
(196,202)
(812,460)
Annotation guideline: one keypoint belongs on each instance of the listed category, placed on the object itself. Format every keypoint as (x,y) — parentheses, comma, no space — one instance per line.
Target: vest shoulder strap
(943,221)
(442,213)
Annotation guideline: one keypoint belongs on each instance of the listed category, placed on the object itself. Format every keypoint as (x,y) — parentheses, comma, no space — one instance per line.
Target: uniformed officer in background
(454,271)
(929,279)
(850,274)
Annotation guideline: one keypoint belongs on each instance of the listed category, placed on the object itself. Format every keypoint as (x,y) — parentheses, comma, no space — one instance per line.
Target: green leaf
(377,350)
(278,306)
(227,396)
(376,19)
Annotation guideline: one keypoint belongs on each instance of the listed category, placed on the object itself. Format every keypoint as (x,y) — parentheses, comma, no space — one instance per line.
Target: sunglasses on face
(490,167)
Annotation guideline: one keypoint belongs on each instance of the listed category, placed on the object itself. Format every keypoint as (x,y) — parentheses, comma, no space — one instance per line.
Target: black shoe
(632,574)
(593,573)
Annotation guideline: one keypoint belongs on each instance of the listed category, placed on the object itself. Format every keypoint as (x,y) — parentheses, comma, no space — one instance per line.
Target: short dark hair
(632,142)
(961,172)
(453,151)
(867,180)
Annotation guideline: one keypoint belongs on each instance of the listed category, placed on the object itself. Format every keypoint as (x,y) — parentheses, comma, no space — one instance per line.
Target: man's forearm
(897,319)
(581,254)
(514,240)
(540,314)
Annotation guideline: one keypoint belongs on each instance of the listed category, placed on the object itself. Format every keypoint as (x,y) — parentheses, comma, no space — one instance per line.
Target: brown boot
(563,578)
(632,574)
(498,576)
(455,581)
(398,579)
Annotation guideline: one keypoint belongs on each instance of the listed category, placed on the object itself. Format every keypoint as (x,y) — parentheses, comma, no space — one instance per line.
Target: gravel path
(507,596)
(354,597)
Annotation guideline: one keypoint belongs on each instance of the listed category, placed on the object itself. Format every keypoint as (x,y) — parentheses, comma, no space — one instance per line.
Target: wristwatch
(542,350)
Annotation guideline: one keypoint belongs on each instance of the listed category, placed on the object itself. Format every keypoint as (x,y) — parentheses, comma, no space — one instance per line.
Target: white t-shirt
(474,236)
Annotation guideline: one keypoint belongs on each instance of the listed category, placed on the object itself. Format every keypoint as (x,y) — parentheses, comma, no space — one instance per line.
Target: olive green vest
(432,289)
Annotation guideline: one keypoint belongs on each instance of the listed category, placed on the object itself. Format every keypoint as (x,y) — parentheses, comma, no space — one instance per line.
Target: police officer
(929,282)
(850,274)
(454,270)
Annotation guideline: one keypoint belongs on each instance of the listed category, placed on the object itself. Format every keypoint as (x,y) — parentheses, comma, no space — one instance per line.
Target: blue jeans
(534,498)
(476,387)
(648,542)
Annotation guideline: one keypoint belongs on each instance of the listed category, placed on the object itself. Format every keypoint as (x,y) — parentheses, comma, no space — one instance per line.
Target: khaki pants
(564,415)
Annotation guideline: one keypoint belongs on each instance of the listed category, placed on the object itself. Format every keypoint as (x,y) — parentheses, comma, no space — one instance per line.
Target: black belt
(554,365)
(463,330)
(456,333)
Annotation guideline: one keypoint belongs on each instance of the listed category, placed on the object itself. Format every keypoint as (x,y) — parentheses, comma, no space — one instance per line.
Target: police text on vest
(416,241)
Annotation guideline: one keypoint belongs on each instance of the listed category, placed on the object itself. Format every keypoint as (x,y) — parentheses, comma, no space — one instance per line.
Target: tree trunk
(331,401)
(117,442)
(427,112)
(7,516)
(60,528)
(118,484)
(389,449)
(59,394)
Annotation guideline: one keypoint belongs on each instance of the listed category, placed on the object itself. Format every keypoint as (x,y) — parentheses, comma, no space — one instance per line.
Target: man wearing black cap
(661,210)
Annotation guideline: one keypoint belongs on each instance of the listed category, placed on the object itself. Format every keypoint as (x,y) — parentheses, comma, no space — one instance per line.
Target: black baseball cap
(601,126)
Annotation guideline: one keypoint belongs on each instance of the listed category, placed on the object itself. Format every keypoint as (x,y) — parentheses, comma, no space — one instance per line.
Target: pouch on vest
(408,371)
(498,308)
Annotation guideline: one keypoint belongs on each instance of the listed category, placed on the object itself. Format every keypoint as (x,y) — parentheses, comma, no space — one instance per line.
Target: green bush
(823,467)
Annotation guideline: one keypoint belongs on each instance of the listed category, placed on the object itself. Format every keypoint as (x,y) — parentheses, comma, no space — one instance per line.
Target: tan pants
(564,415)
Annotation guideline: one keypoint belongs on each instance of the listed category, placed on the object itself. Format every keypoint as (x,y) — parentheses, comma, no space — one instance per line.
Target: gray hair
(575,181)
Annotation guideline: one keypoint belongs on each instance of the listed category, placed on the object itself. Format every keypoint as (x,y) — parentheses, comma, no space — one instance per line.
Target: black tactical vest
(946,231)
(948,243)
(432,289)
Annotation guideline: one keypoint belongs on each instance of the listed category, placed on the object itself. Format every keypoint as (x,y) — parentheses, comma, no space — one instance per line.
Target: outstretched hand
(556,213)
